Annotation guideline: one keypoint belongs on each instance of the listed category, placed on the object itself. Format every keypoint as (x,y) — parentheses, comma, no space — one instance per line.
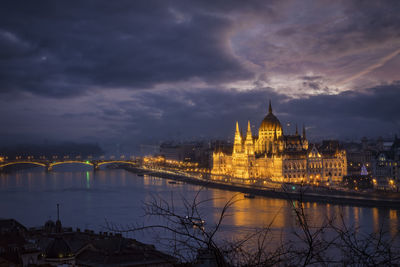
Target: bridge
(49,164)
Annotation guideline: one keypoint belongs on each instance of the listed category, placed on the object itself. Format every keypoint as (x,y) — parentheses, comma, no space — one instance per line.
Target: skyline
(136,72)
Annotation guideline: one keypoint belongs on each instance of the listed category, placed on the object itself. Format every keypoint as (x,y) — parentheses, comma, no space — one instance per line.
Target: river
(91,199)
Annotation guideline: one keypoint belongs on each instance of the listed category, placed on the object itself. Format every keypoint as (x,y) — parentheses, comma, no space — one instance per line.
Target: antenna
(58,222)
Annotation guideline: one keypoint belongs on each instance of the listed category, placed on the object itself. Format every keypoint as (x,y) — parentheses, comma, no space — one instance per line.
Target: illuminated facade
(279,157)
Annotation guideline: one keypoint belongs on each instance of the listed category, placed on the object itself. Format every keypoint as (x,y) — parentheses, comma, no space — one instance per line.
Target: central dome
(270,122)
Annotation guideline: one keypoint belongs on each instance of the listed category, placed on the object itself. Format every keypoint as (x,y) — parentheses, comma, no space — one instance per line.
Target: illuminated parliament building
(279,157)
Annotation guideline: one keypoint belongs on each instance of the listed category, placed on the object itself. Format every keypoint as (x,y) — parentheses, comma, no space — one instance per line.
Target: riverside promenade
(292,192)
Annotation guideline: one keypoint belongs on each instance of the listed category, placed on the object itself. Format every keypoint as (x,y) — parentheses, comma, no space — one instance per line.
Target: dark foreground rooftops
(37,246)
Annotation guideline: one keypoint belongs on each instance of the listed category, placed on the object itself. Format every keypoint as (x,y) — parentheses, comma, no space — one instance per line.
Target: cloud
(150,116)
(350,114)
(145,71)
(104,45)
(67,50)
(379,64)
(188,114)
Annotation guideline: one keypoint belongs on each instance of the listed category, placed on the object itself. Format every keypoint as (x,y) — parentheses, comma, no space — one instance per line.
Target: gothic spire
(249,148)
(297,132)
(238,139)
(249,134)
(270,107)
(304,132)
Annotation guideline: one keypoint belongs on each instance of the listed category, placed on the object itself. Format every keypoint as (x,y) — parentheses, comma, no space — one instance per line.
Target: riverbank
(303,193)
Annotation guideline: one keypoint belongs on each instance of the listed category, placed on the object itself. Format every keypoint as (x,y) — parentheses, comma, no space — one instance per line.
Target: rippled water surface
(88,199)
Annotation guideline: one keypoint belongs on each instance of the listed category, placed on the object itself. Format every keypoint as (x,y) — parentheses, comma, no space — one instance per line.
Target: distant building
(199,152)
(385,167)
(149,149)
(280,157)
(381,158)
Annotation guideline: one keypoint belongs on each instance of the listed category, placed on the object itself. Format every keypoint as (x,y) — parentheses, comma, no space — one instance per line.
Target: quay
(296,192)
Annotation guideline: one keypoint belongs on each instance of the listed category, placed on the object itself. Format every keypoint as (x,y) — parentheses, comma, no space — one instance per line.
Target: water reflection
(87,180)
(90,198)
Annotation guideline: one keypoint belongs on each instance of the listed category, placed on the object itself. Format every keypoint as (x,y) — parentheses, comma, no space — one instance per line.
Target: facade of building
(279,157)
(199,152)
(385,167)
(381,159)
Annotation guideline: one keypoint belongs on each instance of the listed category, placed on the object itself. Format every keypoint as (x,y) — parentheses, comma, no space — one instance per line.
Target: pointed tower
(249,145)
(304,141)
(249,135)
(270,107)
(297,132)
(237,145)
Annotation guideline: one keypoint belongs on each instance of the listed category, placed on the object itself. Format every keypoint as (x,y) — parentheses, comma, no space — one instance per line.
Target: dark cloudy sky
(134,72)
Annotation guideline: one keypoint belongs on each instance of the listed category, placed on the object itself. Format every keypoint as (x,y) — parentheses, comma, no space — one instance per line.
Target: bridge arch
(52,164)
(115,161)
(22,162)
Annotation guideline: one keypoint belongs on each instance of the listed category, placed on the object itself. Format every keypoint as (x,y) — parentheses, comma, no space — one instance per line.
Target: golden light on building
(279,157)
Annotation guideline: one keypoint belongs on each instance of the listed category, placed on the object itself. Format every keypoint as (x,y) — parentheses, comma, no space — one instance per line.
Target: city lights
(280,157)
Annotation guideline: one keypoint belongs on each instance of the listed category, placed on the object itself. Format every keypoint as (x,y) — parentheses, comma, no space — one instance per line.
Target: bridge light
(87,162)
